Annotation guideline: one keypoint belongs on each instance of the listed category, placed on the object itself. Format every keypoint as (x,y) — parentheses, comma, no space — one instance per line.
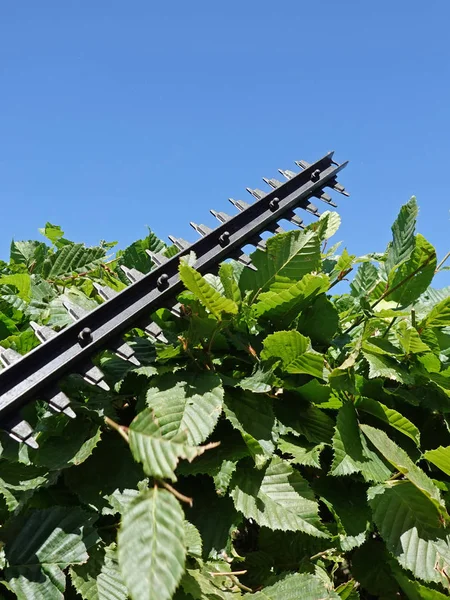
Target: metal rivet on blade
(162,281)
(315,175)
(274,204)
(224,238)
(85,336)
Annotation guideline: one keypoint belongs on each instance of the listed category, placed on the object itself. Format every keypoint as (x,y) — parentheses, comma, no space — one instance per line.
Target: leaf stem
(121,429)
(175,492)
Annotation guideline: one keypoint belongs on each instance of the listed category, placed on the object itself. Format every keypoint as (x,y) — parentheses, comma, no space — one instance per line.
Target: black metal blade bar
(72,348)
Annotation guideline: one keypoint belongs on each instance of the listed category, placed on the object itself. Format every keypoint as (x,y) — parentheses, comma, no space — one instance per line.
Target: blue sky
(115,115)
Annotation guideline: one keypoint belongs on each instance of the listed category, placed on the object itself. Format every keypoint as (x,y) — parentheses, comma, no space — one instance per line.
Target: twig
(340,277)
(227,574)
(442,262)
(121,429)
(175,492)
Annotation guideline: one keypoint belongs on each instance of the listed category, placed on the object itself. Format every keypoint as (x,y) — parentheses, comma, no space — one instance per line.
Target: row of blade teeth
(20,430)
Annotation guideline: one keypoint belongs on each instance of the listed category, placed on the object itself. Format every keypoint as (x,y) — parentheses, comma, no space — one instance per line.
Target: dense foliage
(284,443)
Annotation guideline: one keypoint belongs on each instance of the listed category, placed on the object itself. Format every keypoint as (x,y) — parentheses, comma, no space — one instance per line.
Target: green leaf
(403,229)
(303,453)
(304,586)
(440,458)
(230,282)
(371,567)
(401,461)
(346,501)
(260,381)
(208,296)
(100,577)
(52,232)
(151,543)
(72,448)
(135,255)
(276,497)
(439,315)
(295,353)
(409,524)
(18,482)
(114,468)
(193,540)
(202,583)
(7,327)
(365,280)
(72,258)
(328,224)
(410,340)
(391,417)
(159,455)
(415,275)
(285,304)
(186,402)
(413,589)
(287,258)
(253,416)
(39,544)
(351,454)
(319,321)
(31,254)
(310,421)
(381,365)
(21,281)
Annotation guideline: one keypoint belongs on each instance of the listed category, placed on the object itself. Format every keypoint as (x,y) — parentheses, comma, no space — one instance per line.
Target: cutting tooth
(259,243)
(42,332)
(132,275)
(340,188)
(274,183)
(124,351)
(293,218)
(325,197)
(256,193)
(201,229)
(158,258)
(179,242)
(310,207)
(93,375)
(220,216)
(246,260)
(175,310)
(287,173)
(8,356)
(239,204)
(75,311)
(60,403)
(155,332)
(302,164)
(21,431)
(105,292)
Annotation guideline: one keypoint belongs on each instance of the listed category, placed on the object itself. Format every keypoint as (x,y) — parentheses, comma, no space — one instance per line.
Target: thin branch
(228,574)
(176,493)
(340,277)
(121,429)
(442,262)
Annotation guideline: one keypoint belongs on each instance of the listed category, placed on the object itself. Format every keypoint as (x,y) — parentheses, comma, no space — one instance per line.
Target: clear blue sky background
(115,115)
